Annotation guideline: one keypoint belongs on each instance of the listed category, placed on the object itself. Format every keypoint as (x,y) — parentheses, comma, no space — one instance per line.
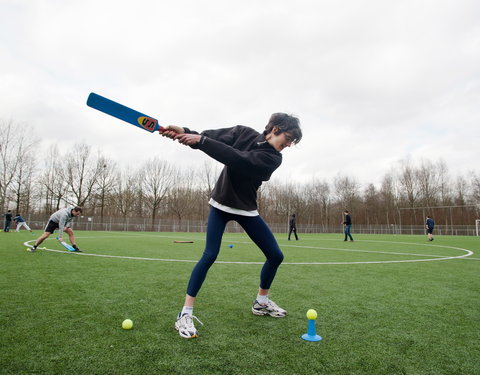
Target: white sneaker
(185,327)
(271,308)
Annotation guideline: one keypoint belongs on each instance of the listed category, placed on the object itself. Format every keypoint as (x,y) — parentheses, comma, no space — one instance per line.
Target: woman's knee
(276,258)
(208,258)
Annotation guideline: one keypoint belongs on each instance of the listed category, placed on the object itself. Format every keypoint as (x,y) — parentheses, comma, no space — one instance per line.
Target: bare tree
(445,185)
(408,186)
(208,176)
(475,188)
(52,179)
(156,188)
(347,191)
(388,198)
(317,202)
(372,205)
(7,162)
(181,200)
(81,173)
(125,191)
(298,199)
(278,197)
(428,183)
(15,140)
(157,180)
(105,182)
(461,191)
(205,178)
(23,187)
(322,190)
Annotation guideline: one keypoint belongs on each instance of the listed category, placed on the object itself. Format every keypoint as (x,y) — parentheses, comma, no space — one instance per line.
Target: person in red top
(249,158)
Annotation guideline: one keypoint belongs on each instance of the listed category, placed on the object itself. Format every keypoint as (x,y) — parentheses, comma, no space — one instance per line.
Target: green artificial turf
(61,313)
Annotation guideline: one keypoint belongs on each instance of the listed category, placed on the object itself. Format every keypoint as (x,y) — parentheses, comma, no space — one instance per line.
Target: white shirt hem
(212,202)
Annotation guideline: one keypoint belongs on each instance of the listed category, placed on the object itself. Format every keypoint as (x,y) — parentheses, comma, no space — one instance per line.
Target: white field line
(436,257)
(315,247)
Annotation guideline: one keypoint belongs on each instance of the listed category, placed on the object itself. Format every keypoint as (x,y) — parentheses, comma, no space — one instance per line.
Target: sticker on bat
(147,123)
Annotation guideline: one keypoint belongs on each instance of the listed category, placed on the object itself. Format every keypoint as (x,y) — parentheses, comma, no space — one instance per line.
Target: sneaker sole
(263,313)
(185,337)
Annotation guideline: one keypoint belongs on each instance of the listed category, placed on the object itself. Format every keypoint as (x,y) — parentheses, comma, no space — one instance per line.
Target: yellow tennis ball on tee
(311,314)
(127,324)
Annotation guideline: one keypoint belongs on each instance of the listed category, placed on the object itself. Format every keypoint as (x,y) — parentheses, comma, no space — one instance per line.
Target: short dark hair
(78,209)
(284,123)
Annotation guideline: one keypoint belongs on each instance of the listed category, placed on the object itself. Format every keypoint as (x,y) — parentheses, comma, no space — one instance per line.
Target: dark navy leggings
(256,229)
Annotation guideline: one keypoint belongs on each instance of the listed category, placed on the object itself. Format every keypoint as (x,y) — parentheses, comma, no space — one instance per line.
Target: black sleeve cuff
(196,146)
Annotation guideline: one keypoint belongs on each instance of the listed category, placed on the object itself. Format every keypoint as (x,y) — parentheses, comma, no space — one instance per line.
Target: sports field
(386,305)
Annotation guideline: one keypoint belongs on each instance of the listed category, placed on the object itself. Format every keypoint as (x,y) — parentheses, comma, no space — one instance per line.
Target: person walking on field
(293,227)
(429,225)
(61,220)
(347,225)
(8,221)
(21,223)
(249,158)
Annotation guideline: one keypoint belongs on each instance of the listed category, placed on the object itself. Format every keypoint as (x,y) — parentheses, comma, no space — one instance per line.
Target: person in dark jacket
(292,227)
(249,158)
(7,221)
(429,225)
(347,225)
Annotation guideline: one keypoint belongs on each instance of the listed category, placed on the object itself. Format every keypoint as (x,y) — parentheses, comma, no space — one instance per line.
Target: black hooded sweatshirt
(248,158)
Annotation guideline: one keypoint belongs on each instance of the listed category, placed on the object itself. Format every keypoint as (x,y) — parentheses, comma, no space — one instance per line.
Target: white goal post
(477,227)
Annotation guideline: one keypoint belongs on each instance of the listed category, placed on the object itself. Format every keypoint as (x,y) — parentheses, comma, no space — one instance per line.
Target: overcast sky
(373,82)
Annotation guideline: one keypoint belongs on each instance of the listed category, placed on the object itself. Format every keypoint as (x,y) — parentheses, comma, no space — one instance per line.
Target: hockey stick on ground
(66,245)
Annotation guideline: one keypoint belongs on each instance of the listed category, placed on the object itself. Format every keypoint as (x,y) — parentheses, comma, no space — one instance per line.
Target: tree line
(157,189)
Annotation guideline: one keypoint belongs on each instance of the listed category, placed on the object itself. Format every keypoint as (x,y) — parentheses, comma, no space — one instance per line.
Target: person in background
(20,221)
(61,220)
(292,227)
(429,225)
(347,225)
(8,220)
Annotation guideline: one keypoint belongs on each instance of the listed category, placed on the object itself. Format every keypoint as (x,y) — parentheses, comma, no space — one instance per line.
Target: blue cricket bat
(123,113)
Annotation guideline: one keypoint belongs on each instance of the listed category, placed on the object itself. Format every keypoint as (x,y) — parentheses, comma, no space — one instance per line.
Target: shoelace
(274,306)
(189,320)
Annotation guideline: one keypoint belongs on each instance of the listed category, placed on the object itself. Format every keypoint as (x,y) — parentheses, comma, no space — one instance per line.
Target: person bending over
(61,220)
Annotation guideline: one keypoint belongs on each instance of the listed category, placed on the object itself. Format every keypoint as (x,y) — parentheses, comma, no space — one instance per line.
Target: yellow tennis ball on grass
(311,314)
(127,324)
